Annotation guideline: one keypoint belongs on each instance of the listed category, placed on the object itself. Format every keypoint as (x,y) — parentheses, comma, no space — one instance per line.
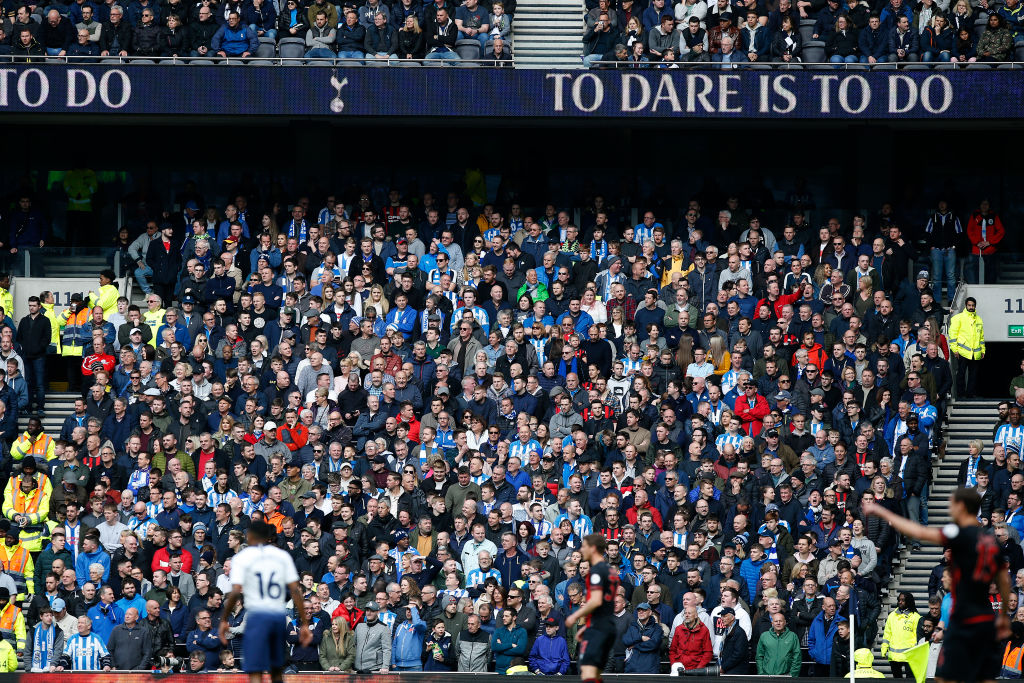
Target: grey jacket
(130,648)
(561,424)
(473,651)
(373,647)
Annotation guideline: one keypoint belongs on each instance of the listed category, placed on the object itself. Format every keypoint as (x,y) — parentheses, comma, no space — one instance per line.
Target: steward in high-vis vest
(47,300)
(967,340)
(75,335)
(863,660)
(27,505)
(16,561)
(33,442)
(12,621)
(107,296)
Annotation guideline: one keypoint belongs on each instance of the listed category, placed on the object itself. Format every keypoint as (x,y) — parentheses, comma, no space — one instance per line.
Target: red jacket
(691,647)
(293,437)
(994,232)
(779,304)
(352,618)
(633,512)
(751,417)
(815,356)
(162,560)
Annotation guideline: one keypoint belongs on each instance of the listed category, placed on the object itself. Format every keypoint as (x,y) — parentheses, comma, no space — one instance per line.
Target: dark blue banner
(459,92)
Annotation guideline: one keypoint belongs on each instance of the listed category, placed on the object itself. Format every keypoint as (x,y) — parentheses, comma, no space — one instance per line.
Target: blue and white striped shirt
(86,652)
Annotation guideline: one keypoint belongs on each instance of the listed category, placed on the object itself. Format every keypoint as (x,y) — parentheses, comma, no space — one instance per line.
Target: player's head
(594,543)
(964,503)
(260,533)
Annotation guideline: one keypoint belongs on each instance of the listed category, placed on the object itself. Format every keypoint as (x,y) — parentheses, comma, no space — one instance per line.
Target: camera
(169,663)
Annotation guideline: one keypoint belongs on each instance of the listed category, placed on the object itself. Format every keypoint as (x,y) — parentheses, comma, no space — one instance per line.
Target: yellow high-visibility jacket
(967,335)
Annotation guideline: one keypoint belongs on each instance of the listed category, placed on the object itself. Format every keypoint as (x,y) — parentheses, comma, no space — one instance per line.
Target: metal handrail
(226,61)
(783,66)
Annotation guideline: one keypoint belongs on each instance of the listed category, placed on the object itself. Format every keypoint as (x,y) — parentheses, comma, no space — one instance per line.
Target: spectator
(873,42)
(57,34)
(130,643)
(778,650)
(473,22)
(234,39)
(644,636)
(204,640)
(201,33)
(290,24)
(550,653)
(320,38)
(410,39)
(441,37)
(351,37)
(382,43)
(372,643)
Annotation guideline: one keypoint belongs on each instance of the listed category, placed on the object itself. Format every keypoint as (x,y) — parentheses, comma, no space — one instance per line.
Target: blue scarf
(42,647)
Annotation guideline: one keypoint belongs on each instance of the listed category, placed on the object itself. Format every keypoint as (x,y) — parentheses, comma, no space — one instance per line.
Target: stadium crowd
(208,29)
(433,405)
(962,32)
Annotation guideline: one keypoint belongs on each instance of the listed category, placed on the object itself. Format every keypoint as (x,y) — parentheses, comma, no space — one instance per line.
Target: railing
(784,66)
(255,60)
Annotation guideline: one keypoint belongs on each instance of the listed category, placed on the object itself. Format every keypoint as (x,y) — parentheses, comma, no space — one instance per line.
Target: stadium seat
(468,48)
(807,30)
(292,48)
(916,67)
(37,18)
(266,49)
(979,65)
(201,61)
(814,51)
(1005,66)
(1018,53)
(408,62)
(887,66)
(268,40)
(759,66)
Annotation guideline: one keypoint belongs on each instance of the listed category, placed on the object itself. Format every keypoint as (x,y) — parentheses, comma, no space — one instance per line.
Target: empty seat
(885,66)
(467,48)
(814,51)
(1018,53)
(979,65)
(291,48)
(806,30)
(266,50)
(1007,65)
(267,39)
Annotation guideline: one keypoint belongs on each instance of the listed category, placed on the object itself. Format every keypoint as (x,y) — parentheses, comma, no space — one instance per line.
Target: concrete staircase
(548,34)
(1011,273)
(59,404)
(968,420)
(59,265)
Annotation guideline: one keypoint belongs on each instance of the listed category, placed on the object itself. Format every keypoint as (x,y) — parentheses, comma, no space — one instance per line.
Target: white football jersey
(264,573)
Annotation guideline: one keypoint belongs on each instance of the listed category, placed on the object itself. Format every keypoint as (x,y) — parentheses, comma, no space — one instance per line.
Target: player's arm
(904,525)
(229,608)
(586,609)
(305,635)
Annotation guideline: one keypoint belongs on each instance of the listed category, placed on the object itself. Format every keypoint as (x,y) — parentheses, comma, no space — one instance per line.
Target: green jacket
(1015,384)
(778,655)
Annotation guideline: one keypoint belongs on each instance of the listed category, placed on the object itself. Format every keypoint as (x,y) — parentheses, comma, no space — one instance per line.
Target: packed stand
(663,34)
(433,405)
(370,30)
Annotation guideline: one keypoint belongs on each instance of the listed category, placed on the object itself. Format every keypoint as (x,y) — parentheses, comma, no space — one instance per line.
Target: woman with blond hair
(338,647)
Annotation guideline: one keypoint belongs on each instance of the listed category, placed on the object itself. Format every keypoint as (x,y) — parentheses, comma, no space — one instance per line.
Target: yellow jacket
(41,448)
(17,563)
(34,509)
(54,326)
(900,635)
(154,319)
(12,625)
(967,335)
(107,299)
(7,301)
(8,658)
(673,264)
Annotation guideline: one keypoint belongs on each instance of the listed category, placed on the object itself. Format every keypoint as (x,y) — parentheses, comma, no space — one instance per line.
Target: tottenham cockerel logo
(338,104)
